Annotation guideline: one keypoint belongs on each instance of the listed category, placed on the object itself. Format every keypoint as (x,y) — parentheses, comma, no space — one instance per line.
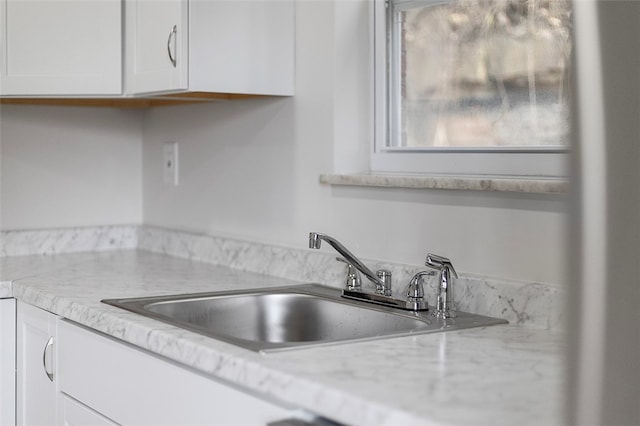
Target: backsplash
(533,305)
(530,304)
(68,240)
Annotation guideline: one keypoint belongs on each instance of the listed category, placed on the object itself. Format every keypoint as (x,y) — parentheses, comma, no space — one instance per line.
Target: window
(472,86)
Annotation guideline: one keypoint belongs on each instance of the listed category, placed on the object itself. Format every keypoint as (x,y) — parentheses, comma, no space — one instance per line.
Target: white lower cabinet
(35,366)
(130,386)
(72,376)
(7,362)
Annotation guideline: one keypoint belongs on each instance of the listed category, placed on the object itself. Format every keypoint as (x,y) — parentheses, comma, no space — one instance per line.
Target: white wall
(249,169)
(65,167)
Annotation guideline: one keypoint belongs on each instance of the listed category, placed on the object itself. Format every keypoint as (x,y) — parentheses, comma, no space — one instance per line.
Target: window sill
(536,185)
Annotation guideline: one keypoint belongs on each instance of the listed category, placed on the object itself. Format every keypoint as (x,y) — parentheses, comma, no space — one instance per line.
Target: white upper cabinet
(235,47)
(156,46)
(183,48)
(60,48)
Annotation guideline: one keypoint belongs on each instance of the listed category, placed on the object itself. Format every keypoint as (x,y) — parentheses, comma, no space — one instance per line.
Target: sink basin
(286,317)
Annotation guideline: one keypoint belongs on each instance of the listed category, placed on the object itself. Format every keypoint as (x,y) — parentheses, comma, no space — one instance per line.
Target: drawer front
(76,414)
(131,386)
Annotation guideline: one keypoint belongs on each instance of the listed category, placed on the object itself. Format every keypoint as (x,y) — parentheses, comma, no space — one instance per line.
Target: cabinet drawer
(76,414)
(131,386)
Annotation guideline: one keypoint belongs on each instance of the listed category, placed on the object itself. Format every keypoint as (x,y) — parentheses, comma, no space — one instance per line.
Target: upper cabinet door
(156,47)
(53,47)
(242,46)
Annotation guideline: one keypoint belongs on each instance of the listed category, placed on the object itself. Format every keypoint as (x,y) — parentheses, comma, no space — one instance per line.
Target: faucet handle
(353,280)
(441,263)
(415,289)
(385,278)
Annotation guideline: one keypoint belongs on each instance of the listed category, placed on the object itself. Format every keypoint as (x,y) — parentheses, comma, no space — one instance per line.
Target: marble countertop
(496,375)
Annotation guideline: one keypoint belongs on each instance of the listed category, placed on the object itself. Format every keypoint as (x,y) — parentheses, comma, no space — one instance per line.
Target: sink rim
(138,306)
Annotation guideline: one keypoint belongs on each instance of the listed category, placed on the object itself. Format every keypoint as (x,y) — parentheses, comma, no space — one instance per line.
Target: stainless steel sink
(286,317)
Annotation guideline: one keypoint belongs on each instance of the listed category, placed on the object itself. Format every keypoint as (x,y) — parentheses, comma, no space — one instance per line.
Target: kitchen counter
(496,375)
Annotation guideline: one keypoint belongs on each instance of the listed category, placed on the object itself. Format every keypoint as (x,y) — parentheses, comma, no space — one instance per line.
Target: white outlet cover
(170,164)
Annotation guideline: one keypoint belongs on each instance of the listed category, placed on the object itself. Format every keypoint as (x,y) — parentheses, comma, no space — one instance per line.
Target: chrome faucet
(445,290)
(382,278)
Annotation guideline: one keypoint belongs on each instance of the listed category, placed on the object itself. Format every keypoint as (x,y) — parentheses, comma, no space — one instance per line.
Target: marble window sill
(533,185)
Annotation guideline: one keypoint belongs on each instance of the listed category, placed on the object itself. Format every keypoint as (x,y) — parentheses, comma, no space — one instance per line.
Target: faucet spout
(315,240)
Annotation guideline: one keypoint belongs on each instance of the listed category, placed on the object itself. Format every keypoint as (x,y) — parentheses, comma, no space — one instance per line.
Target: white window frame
(518,161)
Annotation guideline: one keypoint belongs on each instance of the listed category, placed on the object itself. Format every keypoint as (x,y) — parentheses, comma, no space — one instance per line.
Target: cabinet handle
(172,55)
(44,358)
